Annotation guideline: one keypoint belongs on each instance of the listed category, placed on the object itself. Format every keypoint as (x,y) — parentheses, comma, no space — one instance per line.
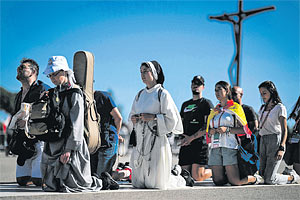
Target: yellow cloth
(232,108)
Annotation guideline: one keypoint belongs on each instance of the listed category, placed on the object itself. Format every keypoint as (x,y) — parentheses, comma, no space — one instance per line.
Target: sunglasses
(197,82)
(54,74)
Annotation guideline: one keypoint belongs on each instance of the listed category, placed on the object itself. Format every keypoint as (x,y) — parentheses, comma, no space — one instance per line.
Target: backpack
(46,121)
(248,158)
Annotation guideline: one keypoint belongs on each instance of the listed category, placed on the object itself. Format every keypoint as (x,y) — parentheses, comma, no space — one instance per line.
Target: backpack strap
(139,94)
(68,94)
(159,93)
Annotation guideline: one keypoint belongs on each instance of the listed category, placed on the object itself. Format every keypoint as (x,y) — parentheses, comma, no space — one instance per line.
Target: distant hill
(7,100)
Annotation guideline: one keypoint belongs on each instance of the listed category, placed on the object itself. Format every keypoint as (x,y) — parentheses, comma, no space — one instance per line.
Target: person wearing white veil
(154,115)
(65,163)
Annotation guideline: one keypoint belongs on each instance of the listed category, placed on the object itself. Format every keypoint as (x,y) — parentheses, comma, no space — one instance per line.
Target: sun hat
(56,63)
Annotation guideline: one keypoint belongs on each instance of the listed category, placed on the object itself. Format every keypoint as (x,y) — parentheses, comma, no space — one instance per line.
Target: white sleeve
(282,111)
(169,120)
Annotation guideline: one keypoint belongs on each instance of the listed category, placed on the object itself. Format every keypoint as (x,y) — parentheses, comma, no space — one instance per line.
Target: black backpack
(248,157)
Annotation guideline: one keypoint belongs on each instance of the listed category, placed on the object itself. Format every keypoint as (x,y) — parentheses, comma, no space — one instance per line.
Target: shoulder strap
(139,94)
(159,93)
(67,93)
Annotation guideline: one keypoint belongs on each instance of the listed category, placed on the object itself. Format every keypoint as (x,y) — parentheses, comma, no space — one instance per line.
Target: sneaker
(287,171)
(259,179)
(188,178)
(296,176)
(108,182)
(176,170)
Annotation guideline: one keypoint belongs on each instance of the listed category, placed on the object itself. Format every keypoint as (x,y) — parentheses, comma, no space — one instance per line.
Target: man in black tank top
(194,112)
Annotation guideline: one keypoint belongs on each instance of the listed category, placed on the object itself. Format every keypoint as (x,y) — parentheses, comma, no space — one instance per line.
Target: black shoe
(121,166)
(188,178)
(108,182)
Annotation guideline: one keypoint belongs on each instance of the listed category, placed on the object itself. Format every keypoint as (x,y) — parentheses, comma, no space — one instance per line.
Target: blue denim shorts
(223,156)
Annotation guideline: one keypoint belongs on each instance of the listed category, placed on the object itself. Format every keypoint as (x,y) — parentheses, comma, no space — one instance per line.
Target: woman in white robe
(154,114)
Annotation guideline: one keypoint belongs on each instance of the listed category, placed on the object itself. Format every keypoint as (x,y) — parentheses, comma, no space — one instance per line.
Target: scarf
(232,108)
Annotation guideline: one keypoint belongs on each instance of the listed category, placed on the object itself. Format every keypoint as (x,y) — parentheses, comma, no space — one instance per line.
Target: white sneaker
(259,179)
(176,170)
(296,176)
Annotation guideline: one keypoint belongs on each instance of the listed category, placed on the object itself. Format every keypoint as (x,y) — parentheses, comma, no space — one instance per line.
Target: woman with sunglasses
(154,114)
(273,132)
(66,163)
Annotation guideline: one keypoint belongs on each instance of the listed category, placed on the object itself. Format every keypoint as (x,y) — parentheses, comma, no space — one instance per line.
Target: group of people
(65,165)
(209,134)
(209,145)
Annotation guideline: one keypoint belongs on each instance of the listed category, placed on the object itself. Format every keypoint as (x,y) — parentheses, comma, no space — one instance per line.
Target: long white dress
(151,159)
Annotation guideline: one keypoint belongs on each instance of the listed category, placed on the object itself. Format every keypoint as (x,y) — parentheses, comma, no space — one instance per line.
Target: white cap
(56,63)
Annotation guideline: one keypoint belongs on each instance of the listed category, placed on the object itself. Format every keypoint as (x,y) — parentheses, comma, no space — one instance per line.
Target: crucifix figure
(236,19)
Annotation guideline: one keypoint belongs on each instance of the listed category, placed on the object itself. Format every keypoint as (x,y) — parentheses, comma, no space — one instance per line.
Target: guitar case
(83,67)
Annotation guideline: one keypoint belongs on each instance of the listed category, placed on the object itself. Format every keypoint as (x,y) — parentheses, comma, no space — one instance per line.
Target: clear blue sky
(179,35)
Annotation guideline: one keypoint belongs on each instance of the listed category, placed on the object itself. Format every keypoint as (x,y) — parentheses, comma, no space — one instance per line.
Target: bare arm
(188,139)
(283,125)
(118,121)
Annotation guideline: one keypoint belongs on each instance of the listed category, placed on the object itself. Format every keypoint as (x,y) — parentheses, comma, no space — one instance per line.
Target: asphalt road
(202,190)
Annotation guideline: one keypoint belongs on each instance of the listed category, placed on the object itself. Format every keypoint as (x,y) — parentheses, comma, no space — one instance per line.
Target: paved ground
(202,190)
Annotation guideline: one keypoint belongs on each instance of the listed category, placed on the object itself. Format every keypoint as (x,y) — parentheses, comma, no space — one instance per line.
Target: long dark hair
(226,87)
(270,86)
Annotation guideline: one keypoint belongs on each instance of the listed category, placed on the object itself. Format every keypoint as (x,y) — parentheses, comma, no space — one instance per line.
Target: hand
(279,155)
(21,123)
(45,93)
(186,140)
(146,117)
(135,119)
(221,129)
(121,139)
(65,157)
(212,131)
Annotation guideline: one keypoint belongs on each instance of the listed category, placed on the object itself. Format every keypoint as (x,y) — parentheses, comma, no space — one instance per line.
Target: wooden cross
(236,19)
